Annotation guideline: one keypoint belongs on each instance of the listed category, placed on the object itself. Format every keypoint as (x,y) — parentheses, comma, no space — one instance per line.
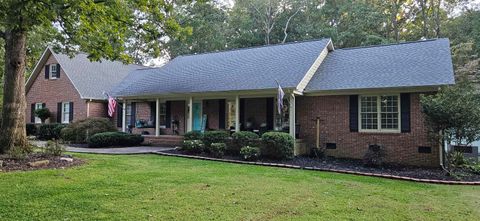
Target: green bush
(375,156)
(193,135)
(193,146)
(109,139)
(456,159)
(216,136)
(80,131)
(31,129)
(53,148)
(244,138)
(43,114)
(277,145)
(250,153)
(217,149)
(49,131)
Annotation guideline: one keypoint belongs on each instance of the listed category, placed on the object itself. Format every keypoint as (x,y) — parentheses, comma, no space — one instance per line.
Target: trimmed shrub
(53,148)
(31,129)
(109,139)
(193,135)
(375,156)
(250,153)
(49,131)
(80,131)
(242,139)
(193,146)
(215,136)
(43,114)
(217,149)
(456,159)
(277,145)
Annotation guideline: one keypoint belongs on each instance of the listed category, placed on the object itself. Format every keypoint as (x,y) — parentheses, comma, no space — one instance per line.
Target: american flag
(280,95)
(112,104)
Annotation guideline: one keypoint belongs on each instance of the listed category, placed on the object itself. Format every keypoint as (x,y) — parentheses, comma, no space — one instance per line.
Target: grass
(150,187)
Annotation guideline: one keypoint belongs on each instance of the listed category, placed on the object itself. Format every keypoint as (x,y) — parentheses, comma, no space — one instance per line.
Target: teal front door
(197,116)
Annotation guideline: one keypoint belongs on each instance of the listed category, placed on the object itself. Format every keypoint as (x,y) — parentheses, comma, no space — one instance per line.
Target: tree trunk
(423,4)
(14,104)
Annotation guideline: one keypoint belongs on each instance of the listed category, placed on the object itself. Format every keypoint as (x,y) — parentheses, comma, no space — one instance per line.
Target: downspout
(317,144)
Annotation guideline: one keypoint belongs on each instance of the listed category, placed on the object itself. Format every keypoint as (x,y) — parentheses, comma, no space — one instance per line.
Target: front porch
(164,117)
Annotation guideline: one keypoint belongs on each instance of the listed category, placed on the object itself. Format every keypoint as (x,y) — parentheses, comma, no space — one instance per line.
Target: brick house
(71,88)
(340,100)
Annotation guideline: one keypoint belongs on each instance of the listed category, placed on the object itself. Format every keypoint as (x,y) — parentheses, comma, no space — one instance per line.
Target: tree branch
(288,22)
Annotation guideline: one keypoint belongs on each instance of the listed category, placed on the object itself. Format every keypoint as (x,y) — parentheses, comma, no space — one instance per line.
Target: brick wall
(53,91)
(97,108)
(333,112)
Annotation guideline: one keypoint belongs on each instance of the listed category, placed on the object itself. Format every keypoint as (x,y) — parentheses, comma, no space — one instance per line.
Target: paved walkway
(119,150)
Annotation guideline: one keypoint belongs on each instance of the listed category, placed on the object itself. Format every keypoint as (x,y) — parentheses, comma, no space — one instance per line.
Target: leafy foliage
(54,148)
(43,114)
(80,131)
(31,129)
(50,131)
(217,136)
(277,145)
(114,139)
(375,156)
(250,153)
(193,146)
(217,149)
(455,112)
(193,135)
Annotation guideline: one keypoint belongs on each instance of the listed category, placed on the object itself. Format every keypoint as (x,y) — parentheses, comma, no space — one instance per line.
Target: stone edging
(322,169)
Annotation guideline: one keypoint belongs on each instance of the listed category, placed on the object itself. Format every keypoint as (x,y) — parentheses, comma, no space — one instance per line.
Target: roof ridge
(254,47)
(392,44)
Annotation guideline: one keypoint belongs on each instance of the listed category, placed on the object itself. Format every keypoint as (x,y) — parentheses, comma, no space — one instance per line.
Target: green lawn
(153,187)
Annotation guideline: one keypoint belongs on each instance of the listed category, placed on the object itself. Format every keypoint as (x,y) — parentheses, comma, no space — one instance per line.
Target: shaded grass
(154,187)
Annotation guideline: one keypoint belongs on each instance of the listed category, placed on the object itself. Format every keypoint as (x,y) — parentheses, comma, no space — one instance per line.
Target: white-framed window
(66,112)
(162,114)
(379,113)
(53,71)
(128,114)
(38,106)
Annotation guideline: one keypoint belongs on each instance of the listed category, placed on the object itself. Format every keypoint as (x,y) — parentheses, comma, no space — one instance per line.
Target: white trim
(311,71)
(291,115)
(124,116)
(50,74)
(413,89)
(237,113)
(190,114)
(379,113)
(157,117)
(63,119)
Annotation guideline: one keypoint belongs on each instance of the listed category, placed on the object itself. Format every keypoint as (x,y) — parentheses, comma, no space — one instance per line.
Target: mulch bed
(328,163)
(10,164)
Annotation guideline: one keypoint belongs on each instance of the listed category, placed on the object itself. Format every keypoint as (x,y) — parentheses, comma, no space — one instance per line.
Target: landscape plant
(80,131)
(277,145)
(114,139)
(250,153)
(43,114)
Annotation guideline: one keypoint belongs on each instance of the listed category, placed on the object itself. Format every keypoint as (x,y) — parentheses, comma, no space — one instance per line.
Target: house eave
(407,89)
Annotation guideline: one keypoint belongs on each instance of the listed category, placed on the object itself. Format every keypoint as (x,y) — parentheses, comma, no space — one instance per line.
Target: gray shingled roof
(243,69)
(91,79)
(422,63)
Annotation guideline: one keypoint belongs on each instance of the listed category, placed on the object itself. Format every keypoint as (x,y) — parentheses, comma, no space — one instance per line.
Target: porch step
(164,140)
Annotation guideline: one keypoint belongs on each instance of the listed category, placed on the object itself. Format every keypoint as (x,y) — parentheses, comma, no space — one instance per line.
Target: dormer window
(52,71)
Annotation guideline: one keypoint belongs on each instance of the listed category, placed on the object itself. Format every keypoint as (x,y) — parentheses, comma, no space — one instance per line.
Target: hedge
(108,139)
(49,131)
(277,145)
(80,131)
(216,136)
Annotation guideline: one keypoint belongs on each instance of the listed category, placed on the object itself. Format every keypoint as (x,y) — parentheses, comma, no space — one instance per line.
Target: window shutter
(133,119)
(270,113)
(70,117)
(59,112)
(47,71)
(405,112)
(32,117)
(44,105)
(168,114)
(221,113)
(353,113)
(58,71)
(153,111)
(242,112)
(119,114)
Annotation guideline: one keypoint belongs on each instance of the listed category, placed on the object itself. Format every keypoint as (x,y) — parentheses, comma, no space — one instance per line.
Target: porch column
(190,114)
(124,116)
(291,114)
(157,121)
(237,113)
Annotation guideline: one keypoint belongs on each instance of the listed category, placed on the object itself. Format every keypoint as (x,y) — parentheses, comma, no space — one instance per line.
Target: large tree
(101,28)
